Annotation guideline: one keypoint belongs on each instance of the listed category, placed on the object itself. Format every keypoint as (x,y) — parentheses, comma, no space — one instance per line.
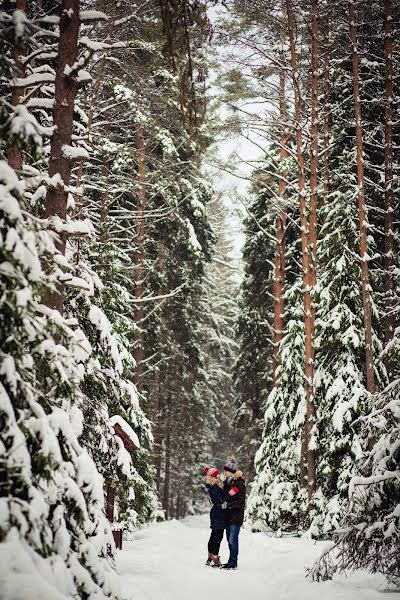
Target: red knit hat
(211,472)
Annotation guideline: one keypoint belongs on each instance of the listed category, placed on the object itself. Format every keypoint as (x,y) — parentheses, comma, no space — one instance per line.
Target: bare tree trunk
(139,255)
(389,204)
(157,400)
(158,433)
(310,337)
(110,503)
(157,419)
(303,225)
(14,152)
(327,108)
(279,265)
(59,163)
(167,477)
(369,360)
(178,510)
(105,176)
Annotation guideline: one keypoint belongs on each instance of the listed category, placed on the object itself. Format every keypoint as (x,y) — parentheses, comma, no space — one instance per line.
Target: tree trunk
(59,164)
(312,264)
(304,229)
(279,266)
(361,206)
(327,109)
(157,398)
(157,414)
(389,204)
(110,503)
(167,475)
(105,180)
(14,152)
(139,256)
(178,510)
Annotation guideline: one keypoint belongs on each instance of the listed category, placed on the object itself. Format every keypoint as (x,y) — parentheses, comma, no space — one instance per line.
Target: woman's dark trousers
(215,541)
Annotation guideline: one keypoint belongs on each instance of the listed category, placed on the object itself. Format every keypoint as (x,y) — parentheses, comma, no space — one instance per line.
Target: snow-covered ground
(166,562)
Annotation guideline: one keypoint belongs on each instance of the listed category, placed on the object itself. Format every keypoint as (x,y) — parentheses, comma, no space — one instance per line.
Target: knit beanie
(231,465)
(211,472)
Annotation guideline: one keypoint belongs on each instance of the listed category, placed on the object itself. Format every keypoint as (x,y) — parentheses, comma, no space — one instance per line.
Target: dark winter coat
(217,514)
(236,503)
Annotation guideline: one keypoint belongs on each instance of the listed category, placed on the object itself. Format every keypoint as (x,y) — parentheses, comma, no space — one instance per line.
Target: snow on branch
(74,282)
(99,46)
(83,228)
(123,430)
(34,79)
(160,297)
(75,153)
(86,16)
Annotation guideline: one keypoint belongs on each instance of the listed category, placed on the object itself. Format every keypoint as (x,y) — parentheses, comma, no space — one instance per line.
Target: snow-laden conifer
(61,372)
(368,537)
(276,500)
(54,535)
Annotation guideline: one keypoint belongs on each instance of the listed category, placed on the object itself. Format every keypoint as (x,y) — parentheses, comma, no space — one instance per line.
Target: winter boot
(209,560)
(216,561)
(229,566)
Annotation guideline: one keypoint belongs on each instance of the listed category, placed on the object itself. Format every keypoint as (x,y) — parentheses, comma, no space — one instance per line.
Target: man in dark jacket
(236,490)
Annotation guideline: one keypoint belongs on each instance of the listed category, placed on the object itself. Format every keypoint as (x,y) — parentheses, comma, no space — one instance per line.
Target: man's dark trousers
(232,534)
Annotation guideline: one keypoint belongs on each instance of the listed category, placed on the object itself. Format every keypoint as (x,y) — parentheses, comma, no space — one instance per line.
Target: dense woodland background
(121,304)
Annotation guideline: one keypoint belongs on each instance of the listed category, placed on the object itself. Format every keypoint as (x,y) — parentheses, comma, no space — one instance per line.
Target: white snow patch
(166,562)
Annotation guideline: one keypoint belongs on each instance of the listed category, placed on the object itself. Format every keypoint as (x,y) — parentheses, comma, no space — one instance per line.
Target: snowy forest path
(166,562)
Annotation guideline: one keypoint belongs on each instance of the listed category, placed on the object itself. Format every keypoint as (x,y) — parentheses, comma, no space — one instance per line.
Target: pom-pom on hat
(211,472)
(231,466)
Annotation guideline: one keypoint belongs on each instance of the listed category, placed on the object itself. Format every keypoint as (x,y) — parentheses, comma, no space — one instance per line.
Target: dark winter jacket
(236,503)
(217,514)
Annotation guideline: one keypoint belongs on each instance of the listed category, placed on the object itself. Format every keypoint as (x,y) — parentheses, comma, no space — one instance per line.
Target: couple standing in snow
(228,497)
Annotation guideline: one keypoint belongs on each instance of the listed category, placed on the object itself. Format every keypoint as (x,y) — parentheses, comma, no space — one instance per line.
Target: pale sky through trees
(235,151)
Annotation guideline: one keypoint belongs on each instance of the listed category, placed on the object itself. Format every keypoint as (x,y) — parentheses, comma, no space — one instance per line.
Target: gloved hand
(224,505)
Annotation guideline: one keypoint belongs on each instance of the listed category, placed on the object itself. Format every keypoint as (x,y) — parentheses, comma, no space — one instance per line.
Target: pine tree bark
(366,301)
(14,155)
(389,262)
(105,173)
(157,398)
(178,510)
(157,428)
(279,263)
(64,101)
(310,338)
(110,503)
(308,311)
(167,474)
(327,109)
(104,198)
(139,256)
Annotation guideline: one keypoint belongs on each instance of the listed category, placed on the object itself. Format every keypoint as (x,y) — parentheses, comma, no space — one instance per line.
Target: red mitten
(233,491)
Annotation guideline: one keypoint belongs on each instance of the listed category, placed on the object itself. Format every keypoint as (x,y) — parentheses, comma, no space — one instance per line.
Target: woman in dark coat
(218,499)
